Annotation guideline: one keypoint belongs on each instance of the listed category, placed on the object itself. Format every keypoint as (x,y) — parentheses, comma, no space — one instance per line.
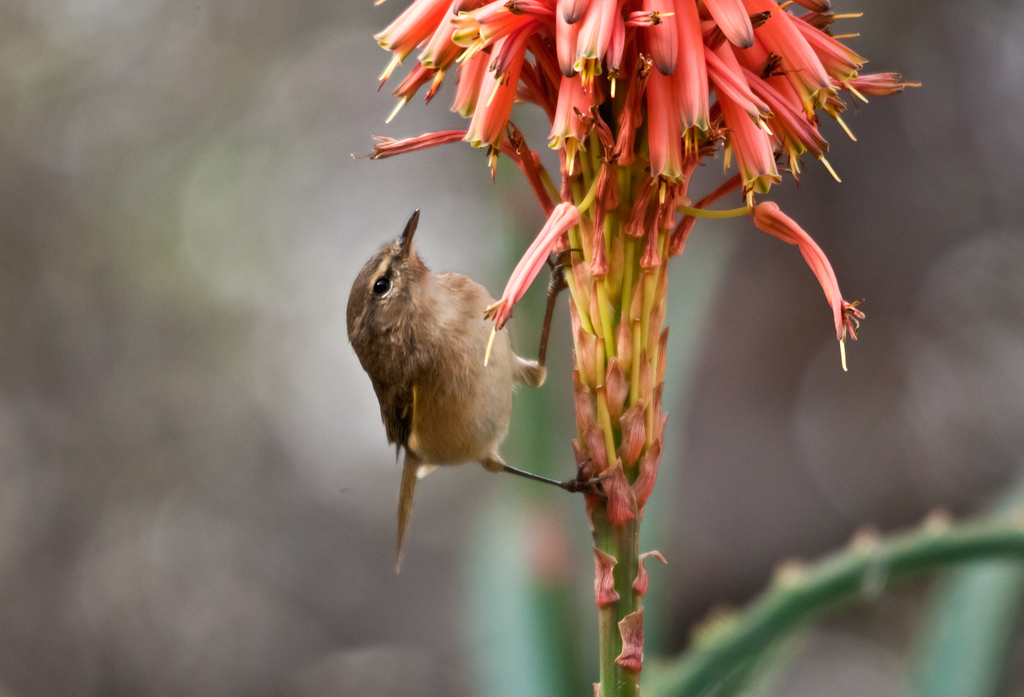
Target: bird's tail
(410,475)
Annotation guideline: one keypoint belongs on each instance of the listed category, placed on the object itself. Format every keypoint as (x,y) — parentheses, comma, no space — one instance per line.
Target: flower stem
(622,542)
(588,200)
(705,213)
(610,642)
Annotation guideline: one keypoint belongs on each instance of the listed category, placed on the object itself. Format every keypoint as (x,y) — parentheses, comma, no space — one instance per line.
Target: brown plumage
(421,337)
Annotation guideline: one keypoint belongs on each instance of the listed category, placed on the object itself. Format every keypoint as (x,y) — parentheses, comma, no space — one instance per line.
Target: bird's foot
(581,483)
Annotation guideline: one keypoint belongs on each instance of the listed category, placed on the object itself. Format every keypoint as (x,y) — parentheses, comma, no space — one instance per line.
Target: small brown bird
(421,337)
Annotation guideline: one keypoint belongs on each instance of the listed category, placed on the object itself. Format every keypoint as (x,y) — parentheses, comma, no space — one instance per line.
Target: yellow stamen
(490,343)
(662,185)
(727,158)
(472,50)
(846,128)
(395,62)
(437,80)
(829,168)
(613,88)
(851,15)
(570,154)
(842,352)
(398,107)
(855,93)
(763,125)
(845,36)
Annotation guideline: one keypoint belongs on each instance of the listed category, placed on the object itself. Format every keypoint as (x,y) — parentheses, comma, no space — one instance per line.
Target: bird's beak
(405,241)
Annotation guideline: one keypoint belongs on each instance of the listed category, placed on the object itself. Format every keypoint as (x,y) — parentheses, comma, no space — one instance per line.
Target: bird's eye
(382,285)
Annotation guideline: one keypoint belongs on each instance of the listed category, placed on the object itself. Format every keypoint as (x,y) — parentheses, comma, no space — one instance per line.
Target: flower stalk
(639,93)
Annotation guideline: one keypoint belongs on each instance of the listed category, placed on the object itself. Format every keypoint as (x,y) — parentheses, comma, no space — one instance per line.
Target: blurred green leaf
(510,651)
(965,644)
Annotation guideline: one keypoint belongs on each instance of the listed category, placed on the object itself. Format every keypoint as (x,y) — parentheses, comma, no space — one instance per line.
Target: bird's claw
(582,483)
(579,485)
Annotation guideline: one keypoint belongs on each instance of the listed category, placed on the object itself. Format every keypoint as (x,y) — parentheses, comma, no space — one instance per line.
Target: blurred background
(196,493)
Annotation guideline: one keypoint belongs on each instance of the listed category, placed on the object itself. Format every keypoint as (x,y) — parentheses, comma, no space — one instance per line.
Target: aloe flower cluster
(638,94)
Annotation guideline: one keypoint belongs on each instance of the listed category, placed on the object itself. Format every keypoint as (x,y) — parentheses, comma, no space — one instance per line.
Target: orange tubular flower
(573,102)
(616,45)
(748,141)
(768,218)
(840,62)
(734,21)
(663,130)
(477,29)
(752,148)
(724,73)
(799,62)
(499,91)
(440,52)
(471,76)
(691,77)
(662,36)
(879,84)
(410,29)
(791,127)
(563,217)
(389,147)
(566,38)
(595,35)
(571,11)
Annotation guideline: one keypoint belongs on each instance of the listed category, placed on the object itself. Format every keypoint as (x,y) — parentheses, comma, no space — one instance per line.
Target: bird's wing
(396,408)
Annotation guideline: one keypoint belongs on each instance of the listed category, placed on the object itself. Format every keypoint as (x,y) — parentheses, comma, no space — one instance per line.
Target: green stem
(859,572)
(622,542)
(625,572)
(705,213)
(588,200)
(610,642)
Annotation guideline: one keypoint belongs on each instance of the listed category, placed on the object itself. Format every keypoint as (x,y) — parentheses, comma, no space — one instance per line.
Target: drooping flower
(563,217)
(769,218)
(879,84)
